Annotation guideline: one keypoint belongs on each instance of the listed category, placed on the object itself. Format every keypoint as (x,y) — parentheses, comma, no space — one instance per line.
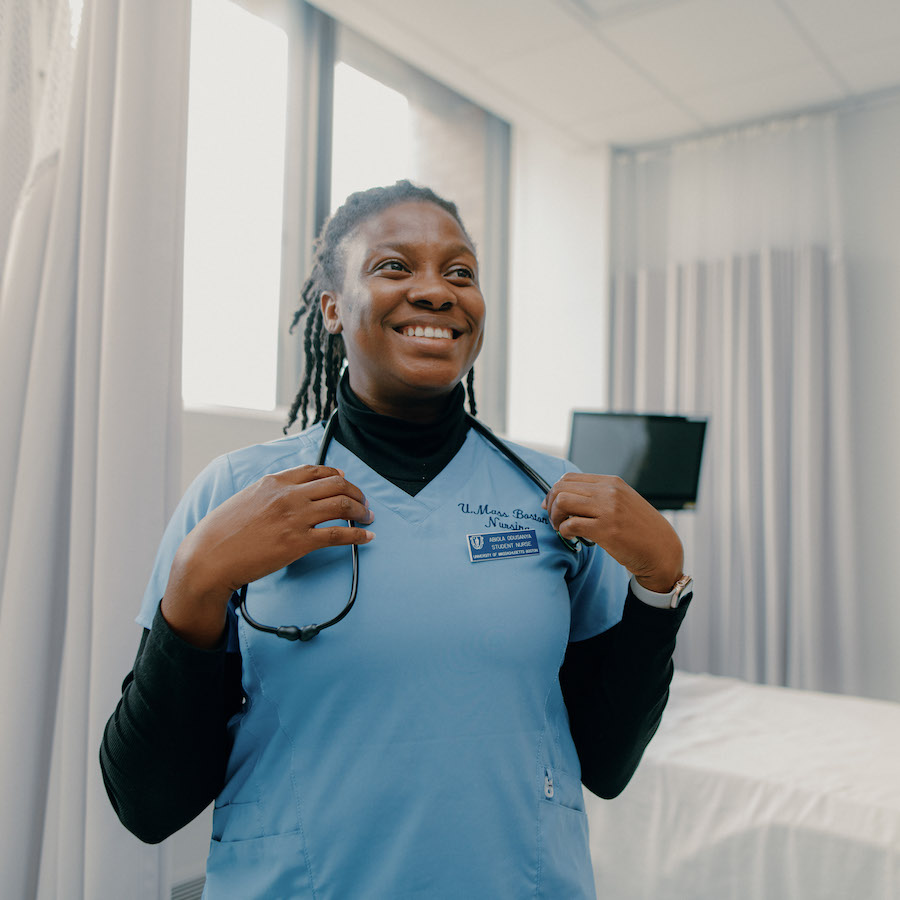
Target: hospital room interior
(686,212)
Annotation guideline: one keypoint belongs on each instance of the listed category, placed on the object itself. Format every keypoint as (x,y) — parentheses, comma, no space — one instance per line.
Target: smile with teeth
(427,331)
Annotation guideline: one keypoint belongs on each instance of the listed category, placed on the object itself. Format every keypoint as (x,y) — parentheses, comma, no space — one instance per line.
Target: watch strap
(670,600)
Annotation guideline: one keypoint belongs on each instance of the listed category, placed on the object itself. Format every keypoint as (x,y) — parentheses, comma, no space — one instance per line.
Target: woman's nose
(431,292)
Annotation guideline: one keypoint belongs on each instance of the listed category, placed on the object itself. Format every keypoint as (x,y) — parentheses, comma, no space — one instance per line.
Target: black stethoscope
(308,632)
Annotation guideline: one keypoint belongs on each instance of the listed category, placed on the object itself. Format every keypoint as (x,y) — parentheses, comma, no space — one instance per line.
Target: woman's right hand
(261,529)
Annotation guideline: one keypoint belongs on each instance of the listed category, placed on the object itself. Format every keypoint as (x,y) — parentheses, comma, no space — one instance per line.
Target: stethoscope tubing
(513,457)
(308,632)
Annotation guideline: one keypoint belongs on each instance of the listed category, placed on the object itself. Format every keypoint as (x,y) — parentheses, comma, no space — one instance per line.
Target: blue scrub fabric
(420,747)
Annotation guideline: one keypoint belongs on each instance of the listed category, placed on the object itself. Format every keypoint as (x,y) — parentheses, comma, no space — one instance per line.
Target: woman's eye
(462,272)
(393,265)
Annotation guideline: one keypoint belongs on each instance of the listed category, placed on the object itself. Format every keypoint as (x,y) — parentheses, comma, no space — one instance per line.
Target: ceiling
(629,72)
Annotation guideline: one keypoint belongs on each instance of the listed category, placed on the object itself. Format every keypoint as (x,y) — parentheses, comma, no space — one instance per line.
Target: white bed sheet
(749,792)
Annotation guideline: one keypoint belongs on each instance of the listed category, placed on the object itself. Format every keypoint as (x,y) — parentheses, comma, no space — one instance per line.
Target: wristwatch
(683,588)
(670,599)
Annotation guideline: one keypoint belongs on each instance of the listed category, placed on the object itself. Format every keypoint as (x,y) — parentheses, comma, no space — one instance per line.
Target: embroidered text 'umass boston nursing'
(500,518)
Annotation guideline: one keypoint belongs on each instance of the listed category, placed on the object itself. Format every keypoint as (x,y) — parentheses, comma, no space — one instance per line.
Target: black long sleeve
(615,686)
(165,747)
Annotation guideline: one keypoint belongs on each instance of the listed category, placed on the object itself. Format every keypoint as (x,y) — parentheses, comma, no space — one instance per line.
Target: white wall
(869,156)
(558,286)
(210,432)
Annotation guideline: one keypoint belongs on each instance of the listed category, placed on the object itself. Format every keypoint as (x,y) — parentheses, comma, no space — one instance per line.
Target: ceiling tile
(606,9)
(874,69)
(574,80)
(441,61)
(840,27)
(707,43)
(480,32)
(778,92)
(636,126)
(645,69)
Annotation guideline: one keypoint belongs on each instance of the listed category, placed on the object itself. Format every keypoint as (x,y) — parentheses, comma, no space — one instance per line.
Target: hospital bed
(750,792)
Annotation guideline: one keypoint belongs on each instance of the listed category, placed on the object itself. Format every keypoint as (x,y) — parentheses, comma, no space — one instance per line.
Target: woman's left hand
(605,510)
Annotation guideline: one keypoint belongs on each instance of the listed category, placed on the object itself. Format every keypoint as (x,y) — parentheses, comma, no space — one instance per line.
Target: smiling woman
(388,260)
(409,308)
(435,742)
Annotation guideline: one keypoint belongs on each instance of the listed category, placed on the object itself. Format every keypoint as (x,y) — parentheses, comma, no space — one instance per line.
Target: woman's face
(409,309)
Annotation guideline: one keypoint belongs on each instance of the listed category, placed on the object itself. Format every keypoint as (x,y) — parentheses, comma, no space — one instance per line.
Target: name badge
(502,545)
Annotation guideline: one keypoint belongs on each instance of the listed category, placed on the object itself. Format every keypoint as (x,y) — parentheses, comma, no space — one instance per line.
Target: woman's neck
(424,408)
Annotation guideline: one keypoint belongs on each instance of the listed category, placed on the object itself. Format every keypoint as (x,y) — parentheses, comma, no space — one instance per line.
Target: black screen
(659,456)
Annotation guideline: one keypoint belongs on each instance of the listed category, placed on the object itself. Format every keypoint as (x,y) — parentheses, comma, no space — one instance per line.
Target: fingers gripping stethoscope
(308,632)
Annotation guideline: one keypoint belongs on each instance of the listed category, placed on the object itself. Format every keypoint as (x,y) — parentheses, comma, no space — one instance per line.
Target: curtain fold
(89,432)
(728,301)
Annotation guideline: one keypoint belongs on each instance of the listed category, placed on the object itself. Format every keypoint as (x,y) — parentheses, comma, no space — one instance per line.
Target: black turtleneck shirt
(408,454)
(165,748)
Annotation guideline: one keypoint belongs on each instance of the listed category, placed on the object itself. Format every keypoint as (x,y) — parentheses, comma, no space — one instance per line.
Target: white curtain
(728,301)
(89,423)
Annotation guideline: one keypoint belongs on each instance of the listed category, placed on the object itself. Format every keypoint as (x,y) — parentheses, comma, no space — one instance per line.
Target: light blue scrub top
(420,747)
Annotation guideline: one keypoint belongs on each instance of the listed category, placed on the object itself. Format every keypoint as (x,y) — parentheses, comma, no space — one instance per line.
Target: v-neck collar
(449,482)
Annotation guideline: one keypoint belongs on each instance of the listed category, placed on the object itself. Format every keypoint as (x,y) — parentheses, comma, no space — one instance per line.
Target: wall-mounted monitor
(659,456)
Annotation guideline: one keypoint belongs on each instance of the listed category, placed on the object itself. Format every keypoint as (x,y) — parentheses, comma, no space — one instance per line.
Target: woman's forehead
(411,224)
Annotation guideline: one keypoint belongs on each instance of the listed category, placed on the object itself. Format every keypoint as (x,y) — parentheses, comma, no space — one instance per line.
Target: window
(362,108)
(233,207)
(351,116)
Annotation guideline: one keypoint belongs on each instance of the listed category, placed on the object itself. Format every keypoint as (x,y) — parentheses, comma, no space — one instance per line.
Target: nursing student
(433,741)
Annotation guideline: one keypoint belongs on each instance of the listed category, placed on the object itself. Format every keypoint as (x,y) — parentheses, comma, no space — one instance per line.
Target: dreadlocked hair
(324,353)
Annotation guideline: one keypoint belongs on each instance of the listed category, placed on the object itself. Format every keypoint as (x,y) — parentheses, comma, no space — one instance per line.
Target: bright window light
(372,138)
(75,9)
(233,215)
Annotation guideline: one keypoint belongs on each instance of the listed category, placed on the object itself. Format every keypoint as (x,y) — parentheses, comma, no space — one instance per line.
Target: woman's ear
(331,315)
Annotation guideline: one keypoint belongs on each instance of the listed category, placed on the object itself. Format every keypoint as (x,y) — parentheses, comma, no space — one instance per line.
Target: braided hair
(324,352)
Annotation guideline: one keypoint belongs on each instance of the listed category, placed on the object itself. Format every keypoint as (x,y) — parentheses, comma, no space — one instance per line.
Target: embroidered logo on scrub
(502,545)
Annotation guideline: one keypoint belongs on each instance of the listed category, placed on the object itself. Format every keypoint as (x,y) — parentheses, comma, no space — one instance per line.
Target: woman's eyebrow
(410,249)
